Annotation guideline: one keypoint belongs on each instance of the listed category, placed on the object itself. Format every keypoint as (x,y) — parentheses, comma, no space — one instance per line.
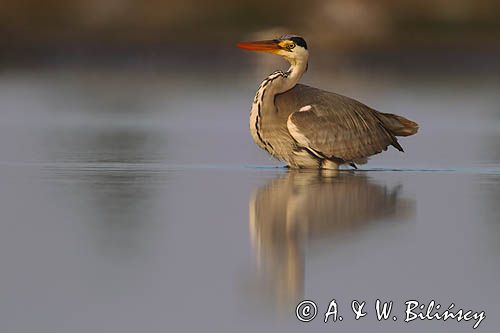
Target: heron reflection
(303,206)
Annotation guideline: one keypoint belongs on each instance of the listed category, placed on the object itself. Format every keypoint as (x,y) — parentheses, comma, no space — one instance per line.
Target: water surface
(134,202)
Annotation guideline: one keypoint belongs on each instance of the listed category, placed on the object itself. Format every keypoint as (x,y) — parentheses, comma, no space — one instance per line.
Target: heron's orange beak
(263,46)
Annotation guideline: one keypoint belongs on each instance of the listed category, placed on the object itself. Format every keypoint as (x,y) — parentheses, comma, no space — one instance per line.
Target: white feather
(305,108)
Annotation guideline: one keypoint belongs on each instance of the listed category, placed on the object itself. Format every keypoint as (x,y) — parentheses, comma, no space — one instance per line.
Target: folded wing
(335,126)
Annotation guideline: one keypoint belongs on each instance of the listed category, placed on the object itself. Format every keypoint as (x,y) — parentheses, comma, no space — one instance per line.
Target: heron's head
(291,47)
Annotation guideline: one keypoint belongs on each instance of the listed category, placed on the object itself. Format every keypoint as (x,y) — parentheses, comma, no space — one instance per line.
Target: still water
(137,202)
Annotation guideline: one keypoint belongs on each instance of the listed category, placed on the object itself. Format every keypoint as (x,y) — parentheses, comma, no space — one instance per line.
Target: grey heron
(311,128)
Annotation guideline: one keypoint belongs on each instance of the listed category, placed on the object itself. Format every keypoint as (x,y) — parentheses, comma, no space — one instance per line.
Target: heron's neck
(292,76)
(277,83)
(295,72)
(263,103)
(280,82)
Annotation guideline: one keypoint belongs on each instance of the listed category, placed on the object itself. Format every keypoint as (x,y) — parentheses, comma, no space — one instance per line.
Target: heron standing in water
(311,128)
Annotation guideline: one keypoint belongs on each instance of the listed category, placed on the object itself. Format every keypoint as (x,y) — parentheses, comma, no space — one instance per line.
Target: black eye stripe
(299,41)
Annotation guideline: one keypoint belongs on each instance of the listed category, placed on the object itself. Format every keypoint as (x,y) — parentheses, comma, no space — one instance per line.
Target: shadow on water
(291,211)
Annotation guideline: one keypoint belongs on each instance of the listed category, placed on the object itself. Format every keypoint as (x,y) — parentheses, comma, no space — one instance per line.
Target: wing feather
(334,126)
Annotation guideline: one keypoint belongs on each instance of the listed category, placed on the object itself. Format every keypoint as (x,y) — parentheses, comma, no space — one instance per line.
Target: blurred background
(132,197)
(57,30)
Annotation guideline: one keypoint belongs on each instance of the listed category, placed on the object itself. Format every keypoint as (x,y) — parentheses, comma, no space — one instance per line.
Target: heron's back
(343,106)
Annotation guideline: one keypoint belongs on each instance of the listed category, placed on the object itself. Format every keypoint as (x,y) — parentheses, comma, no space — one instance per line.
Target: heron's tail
(399,126)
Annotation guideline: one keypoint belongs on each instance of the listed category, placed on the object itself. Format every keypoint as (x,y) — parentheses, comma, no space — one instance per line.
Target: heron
(307,127)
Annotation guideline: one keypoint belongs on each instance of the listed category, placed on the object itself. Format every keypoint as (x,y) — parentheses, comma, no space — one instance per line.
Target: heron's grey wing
(334,126)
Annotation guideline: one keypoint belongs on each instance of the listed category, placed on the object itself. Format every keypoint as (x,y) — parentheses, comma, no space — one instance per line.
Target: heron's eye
(291,46)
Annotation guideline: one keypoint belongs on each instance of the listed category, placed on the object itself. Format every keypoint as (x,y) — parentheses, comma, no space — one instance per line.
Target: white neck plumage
(290,77)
